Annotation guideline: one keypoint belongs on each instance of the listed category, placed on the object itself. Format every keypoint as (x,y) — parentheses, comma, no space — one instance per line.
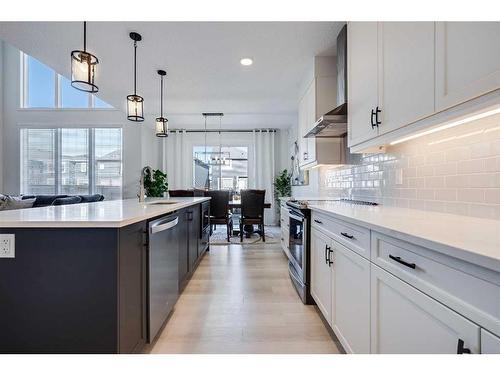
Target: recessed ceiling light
(246,61)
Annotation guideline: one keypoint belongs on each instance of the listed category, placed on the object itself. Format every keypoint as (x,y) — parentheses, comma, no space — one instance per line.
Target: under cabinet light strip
(447,126)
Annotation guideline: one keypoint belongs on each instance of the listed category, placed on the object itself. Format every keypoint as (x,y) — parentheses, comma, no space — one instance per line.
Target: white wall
(140,146)
(1,113)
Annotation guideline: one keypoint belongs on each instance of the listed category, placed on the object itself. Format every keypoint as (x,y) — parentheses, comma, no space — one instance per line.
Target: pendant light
(84,67)
(161,123)
(135,103)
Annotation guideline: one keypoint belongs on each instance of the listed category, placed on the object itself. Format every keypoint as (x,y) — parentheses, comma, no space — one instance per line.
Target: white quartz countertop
(105,214)
(471,239)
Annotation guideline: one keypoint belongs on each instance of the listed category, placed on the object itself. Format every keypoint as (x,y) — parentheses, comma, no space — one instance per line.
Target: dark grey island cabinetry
(83,289)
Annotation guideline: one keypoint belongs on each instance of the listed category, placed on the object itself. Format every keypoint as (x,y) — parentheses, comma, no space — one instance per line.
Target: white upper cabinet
(406,73)
(406,321)
(391,76)
(351,299)
(319,98)
(467,61)
(490,344)
(362,84)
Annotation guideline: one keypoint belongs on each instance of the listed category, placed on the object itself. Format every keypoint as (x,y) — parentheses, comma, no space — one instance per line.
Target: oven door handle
(298,218)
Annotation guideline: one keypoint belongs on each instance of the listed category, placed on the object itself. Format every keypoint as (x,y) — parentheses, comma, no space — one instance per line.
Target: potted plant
(155,184)
(282,188)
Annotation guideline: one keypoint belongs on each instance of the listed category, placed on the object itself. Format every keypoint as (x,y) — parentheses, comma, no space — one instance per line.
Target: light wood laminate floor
(240,300)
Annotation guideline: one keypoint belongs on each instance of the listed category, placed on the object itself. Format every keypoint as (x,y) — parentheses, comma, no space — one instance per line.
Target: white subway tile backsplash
(455,171)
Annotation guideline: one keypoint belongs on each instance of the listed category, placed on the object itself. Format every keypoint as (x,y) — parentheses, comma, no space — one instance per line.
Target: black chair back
(181,193)
(252,203)
(219,204)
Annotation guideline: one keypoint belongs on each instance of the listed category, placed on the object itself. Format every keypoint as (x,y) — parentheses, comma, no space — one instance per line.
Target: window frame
(57,94)
(57,155)
(220,147)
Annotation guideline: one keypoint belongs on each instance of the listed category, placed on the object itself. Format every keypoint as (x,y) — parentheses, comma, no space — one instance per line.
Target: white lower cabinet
(351,299)
(405,320)
(321,285)
(340,285)
(490,344)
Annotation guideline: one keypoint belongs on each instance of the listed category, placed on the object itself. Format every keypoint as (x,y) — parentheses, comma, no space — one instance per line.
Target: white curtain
(175,158)
(263,170)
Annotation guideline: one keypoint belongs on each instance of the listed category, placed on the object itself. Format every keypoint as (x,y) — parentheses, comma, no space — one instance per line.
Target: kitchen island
(78,281)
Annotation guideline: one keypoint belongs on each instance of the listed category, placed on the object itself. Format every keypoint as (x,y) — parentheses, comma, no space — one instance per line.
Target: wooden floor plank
(241,300)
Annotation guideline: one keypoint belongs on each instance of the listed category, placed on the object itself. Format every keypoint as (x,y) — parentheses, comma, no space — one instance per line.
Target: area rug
(219,236)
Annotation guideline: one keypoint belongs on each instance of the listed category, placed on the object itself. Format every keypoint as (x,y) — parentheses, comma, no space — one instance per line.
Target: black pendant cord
(135,67)
(206,140)
(161,97)
(84,36)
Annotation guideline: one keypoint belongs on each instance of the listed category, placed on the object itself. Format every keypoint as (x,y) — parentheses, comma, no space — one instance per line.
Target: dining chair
(252,211)
(219,210)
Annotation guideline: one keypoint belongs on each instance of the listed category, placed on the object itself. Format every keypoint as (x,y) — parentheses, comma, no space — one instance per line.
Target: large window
(72,161)
(226,169)
(44,88)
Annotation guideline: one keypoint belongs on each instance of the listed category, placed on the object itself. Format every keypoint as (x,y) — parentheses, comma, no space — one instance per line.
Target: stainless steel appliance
(163,270)
(299,243)
(334,123)
(298,262)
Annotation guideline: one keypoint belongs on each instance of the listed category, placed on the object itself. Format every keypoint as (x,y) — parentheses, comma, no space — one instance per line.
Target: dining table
(237,204)
(248,229)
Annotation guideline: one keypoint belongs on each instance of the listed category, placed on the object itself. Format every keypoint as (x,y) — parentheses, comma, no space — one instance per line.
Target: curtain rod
(223,130)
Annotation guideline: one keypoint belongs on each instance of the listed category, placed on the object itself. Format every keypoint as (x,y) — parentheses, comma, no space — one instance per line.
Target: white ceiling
(201,60)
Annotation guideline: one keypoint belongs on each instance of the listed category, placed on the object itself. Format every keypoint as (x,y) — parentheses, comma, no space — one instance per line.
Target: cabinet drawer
(468,289)
(353,236)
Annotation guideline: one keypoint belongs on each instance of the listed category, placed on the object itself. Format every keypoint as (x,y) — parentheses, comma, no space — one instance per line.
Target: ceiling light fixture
(83,67)
(135,103)
(246,61)
(449,125)
(161,123)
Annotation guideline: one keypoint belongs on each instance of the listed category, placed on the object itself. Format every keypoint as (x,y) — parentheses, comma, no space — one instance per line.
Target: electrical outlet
(7,248)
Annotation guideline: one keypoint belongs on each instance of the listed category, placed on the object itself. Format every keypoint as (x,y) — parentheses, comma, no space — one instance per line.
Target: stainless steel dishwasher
(163,270)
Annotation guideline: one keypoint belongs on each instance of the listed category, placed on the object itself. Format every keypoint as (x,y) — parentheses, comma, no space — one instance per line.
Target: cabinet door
(351,299)
(362,80)
(321,285)
(406,73)
(310,120)
(193,237)
(183,248)
(301,132)
(405,320)
(132,288)
(490,344)
(467,61)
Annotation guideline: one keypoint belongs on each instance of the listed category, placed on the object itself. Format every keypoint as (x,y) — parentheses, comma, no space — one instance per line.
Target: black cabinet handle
(461,349)
(372,119)
(328,258)
(318,221)
(350,236)
(377,111)
(401,261)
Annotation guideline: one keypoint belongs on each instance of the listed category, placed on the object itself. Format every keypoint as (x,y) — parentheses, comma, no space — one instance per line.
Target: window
(44,88)
(232,175)
(73,161)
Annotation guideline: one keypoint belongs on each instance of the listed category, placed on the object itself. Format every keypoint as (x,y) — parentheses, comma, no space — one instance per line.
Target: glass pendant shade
(84,67)
(161,126)
(135,108)
(161,123)
(135,103)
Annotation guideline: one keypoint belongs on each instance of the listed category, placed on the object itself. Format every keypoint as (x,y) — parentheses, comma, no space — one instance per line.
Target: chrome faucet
(142,191)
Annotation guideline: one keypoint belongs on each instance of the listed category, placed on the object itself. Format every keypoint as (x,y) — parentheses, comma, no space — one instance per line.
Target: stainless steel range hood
(334,123)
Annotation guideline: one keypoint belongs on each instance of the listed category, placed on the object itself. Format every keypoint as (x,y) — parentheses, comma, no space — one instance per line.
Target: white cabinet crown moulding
(412,87)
